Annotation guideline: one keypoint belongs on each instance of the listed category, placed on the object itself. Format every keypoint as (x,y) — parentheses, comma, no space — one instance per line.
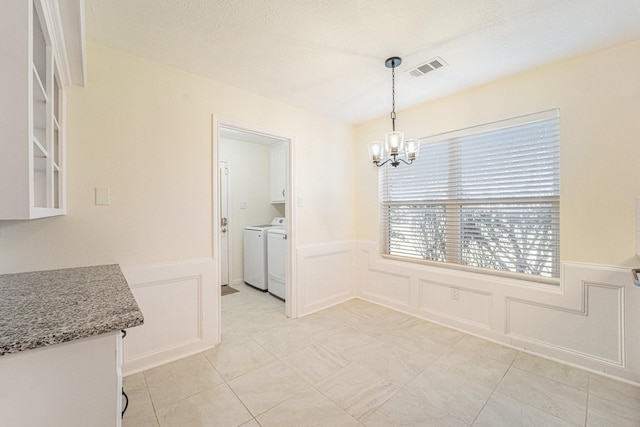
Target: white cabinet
(32,111)
(73,384)
(278,172)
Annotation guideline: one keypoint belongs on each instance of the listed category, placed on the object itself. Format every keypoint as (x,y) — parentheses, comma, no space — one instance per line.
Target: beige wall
(144,130)
(598,96)
(248,182)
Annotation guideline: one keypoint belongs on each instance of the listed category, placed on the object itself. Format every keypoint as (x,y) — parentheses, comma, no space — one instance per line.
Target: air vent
(431,65)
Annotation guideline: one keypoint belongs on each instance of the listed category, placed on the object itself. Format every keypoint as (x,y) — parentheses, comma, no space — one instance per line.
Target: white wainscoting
(180,302)
(592,320)
(325,275)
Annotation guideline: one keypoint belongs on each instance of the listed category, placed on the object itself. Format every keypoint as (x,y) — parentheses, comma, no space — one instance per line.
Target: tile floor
(361,364)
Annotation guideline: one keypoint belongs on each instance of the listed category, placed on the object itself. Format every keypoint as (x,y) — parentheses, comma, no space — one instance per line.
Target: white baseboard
(180,302)
(236,282)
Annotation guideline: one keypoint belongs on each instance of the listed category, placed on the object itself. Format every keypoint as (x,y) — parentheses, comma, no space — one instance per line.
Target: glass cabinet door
(47,115)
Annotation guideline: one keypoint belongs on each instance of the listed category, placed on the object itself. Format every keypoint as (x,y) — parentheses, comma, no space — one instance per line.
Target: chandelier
(394,147)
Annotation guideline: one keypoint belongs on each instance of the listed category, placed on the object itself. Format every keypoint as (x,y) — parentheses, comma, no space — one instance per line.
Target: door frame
(218,122)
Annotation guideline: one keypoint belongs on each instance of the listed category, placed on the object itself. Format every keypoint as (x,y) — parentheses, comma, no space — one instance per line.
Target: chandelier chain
(393,96)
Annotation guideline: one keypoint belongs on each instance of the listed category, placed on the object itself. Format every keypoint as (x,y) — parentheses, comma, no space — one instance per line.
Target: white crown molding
(66,21)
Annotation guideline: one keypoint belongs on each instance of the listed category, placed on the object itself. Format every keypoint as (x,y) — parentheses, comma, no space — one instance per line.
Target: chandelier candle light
(394,146)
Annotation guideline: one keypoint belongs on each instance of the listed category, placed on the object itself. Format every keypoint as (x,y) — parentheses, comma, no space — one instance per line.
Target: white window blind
(486,197)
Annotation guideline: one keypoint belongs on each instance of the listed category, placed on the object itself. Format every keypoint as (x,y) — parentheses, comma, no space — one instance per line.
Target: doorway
(232,212)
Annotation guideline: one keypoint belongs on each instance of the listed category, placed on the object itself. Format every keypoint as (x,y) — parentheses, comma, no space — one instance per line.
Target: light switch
(103,196)
(243,205)
(300,201)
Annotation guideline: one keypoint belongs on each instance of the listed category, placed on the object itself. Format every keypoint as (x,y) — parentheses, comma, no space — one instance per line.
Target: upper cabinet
(32,109)
(278,172)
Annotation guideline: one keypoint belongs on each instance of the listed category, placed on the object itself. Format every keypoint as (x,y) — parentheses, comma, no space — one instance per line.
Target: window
(486,197)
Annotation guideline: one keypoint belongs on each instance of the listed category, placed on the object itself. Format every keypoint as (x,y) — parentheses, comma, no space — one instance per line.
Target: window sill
(521,277)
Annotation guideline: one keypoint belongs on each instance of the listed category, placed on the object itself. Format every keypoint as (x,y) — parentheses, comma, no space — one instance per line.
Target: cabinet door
(69,384)
(48,116)
(278,172)
(32,152)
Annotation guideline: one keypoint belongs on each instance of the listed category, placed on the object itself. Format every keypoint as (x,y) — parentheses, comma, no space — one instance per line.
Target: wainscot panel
(181,304)
(391,288)
(325,275)
(590,320)
(595,331)
(463,305)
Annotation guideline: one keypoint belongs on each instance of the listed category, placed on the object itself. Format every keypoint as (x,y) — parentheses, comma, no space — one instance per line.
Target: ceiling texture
(328,56)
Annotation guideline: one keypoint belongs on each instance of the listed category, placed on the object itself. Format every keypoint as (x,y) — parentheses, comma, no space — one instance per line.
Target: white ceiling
(328,55)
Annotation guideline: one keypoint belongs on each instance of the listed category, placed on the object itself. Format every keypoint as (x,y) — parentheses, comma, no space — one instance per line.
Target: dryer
(277,261)
(255,253)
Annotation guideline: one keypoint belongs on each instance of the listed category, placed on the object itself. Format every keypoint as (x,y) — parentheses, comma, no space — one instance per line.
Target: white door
(224,222)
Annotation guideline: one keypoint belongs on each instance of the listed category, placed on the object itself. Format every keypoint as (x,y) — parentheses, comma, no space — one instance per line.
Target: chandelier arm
(378,164)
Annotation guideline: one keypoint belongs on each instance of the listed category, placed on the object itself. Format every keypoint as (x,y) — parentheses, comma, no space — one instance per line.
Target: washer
(255,253)
(277,261)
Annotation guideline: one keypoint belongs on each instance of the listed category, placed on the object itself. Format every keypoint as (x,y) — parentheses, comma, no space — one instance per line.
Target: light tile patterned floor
(361,364)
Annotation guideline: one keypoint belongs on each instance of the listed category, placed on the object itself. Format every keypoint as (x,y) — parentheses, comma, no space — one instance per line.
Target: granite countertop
(43,308)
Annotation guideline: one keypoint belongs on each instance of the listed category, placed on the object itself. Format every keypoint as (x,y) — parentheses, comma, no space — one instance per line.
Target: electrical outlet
(455,294)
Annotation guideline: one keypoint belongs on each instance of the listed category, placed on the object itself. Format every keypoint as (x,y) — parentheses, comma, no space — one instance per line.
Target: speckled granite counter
(49,307)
